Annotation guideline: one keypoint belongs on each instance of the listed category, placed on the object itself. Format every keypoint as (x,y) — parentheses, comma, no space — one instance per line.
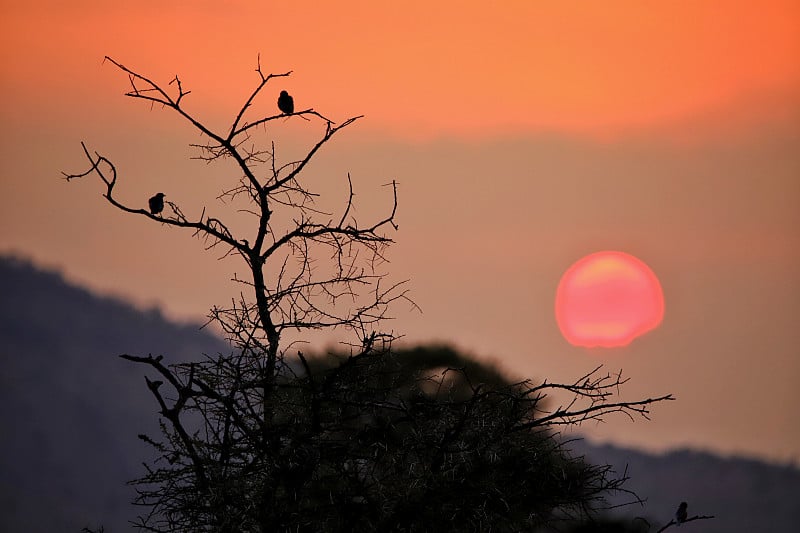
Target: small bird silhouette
(286,103)
(157,203)
(681,515)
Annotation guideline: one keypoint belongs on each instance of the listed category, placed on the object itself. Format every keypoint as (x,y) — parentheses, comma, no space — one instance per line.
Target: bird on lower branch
(157,203)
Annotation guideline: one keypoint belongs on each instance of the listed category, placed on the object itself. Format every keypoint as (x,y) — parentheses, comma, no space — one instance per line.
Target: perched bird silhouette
(286,103)
(157,203)
(681,515)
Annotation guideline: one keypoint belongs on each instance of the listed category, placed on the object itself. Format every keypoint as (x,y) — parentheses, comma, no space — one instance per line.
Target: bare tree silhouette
(374,439)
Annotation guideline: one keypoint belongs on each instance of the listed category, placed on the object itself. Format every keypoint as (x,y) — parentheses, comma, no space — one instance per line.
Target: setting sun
(608,299)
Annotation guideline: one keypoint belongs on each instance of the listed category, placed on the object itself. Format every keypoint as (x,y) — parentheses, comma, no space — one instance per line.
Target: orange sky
(422,69)
(523,138)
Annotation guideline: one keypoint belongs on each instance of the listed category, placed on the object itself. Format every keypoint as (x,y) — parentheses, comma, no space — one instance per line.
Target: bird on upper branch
(681,514)
(157,203)
(286,103)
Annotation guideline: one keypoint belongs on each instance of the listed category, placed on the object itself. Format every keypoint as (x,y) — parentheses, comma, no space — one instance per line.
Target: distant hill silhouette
(745,495)
(71,409)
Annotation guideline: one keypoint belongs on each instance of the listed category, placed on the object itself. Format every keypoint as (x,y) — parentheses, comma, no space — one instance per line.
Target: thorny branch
(595,388)
(690,519)
(296,297)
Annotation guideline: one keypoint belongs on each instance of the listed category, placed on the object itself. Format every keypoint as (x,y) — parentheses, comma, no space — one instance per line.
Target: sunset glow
(608,299)
(418,70)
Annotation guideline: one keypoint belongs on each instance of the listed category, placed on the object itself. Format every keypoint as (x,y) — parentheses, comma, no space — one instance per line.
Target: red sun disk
(608,299)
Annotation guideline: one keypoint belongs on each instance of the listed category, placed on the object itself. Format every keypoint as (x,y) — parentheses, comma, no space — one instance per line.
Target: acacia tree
(374,439)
